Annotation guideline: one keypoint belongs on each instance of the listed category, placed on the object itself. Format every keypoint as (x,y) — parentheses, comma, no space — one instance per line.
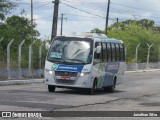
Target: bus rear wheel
(51,88)
(112,88)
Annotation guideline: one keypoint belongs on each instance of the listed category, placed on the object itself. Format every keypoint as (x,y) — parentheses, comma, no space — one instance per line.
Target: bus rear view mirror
(47,46)
(98,49)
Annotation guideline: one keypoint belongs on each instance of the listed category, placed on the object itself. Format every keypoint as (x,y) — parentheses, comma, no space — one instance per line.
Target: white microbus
(89,61)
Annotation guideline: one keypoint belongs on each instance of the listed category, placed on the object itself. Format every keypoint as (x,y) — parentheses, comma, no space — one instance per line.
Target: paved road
(139,91)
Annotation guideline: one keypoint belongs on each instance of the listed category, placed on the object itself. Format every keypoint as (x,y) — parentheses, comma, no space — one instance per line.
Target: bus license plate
(65,78)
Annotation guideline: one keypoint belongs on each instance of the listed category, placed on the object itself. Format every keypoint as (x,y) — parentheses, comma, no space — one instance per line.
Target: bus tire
(92,90)
(51,88)
(112,88)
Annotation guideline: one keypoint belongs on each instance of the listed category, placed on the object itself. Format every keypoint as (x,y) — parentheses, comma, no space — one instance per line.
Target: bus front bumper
(85,81)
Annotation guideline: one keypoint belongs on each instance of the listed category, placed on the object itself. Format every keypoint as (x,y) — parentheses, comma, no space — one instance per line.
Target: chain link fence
(147,56)
(22,62)
(28,61)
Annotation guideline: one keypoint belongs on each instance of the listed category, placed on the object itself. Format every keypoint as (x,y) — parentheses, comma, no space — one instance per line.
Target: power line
(69,19)
(81,2)
(150,2)
(87,12)
(104,8)
(134,7)
(35,3)
(93,5)
(73,15)
(133,14)
(83,10)
(83,16)
(101,7)
(36,8)
(103,3)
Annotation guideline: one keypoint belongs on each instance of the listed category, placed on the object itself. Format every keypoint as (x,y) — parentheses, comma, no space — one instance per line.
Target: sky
(85,15)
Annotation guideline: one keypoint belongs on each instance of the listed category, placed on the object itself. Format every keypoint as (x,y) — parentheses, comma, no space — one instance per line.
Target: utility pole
(31,35)
(62,23)
(55,19)
(117,20)
(107,16)
(32,20)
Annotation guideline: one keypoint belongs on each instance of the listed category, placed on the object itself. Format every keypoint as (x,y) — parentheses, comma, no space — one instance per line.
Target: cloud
(79,21)
(44,26)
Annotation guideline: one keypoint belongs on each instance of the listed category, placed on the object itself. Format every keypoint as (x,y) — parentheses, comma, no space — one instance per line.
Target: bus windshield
(70,51)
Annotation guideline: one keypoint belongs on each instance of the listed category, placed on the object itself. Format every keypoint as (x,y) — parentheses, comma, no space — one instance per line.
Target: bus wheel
(112,88)
(92,90)
(51,88)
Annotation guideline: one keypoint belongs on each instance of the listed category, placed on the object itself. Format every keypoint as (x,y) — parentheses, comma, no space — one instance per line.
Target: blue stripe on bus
(73,68)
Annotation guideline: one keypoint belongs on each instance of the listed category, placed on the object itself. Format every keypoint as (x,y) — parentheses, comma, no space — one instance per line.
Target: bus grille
(64,73)
(65,81)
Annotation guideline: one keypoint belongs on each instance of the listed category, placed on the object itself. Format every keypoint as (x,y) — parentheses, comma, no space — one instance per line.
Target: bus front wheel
(92,90)
(51,88)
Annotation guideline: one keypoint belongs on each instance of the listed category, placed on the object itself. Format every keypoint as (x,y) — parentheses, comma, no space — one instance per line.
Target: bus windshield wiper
(63,60)
(76,60)
(60,59)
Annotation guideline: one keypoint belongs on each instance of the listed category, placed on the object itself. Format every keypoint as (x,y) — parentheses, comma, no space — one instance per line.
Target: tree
(17,28)
(5,7)
(96,30)
(133,34)
(144,23)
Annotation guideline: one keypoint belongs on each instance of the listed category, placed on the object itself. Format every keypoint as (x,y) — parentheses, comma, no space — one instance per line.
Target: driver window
(97,56)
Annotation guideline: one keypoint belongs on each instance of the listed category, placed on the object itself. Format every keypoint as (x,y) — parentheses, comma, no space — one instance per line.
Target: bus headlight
(49,71)
(84,73)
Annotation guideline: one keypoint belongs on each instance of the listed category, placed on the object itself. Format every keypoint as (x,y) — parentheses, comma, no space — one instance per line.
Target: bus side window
(97,55)
(108,52)
(122,52)
(117,52)
(113,52)
(104,52)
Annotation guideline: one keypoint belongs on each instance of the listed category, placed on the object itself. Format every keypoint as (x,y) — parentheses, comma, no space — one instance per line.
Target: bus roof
(109,40)
(97,37)
(92,35)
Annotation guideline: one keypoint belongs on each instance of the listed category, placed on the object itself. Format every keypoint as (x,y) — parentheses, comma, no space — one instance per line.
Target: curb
(34,81)
(140,71)
(20,82)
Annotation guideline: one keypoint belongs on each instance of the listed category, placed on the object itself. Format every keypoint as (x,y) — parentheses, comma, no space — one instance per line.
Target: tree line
(133,32)
(19,29)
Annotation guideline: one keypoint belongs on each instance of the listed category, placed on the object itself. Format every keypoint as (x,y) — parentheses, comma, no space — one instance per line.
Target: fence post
(148,56)
(126,66)
(8,58)
(0,51)
(137,56)
(40,58)
(159,56)
(30,59)
(19,58)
